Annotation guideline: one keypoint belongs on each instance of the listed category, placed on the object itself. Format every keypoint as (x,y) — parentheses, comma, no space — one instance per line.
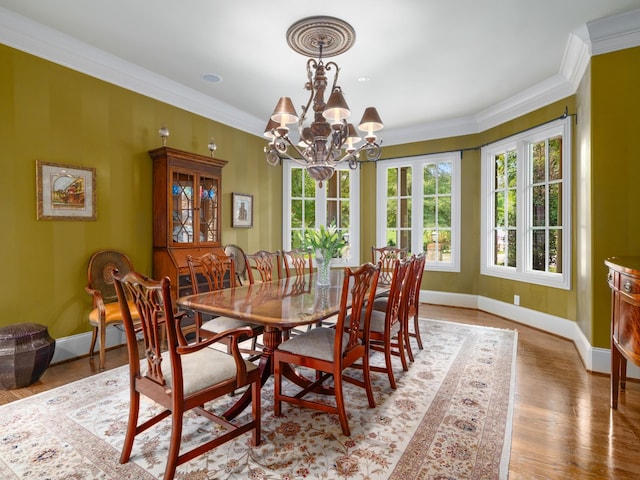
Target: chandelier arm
(280,148)
(372,151)
(311,65)
(335,77)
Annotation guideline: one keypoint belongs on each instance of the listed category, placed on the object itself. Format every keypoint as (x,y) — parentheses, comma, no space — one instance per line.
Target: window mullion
(417,214)
(524,234)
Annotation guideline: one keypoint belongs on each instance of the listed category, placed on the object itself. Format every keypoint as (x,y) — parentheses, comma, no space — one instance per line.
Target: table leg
(271,338)
(615,375)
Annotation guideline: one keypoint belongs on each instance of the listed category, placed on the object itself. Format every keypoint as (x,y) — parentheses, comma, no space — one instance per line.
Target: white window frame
(417,164)
(351,258)
(523,270)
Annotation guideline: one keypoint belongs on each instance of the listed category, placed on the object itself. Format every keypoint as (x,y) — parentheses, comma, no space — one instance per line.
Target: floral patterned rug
(450,418)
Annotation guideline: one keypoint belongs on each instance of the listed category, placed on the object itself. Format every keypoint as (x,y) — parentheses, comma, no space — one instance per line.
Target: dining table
(279,306)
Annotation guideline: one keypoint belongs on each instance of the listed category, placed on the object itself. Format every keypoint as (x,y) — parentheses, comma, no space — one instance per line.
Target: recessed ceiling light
(363,79)
(212,78)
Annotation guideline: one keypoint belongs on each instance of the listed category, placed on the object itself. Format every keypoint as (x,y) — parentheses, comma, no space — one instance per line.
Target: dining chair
(211,272)
(296,262)
(387,257)
(238,261)
(184,377)
(412,305)
(387,327)
(106,311)
(265,263)
(329,351)
(414,301)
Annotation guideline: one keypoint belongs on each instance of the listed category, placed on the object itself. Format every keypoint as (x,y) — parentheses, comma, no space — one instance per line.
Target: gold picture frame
(65,192)
(242,212)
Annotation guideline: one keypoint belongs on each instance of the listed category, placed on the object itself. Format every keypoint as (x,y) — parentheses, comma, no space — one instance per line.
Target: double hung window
(526,206)
(305,206)
(418,207)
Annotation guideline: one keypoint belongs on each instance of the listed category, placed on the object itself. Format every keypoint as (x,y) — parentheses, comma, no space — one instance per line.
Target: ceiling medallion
(306,35)
(327,139)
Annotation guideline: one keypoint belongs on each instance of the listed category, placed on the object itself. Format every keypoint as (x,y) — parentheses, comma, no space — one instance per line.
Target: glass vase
(323,274)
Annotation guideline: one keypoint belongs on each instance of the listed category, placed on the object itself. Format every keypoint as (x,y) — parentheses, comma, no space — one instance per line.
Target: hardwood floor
(563,427)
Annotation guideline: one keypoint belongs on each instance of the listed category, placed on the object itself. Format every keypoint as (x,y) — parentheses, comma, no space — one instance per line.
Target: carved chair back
(296,262)
(266,264)
(387,257)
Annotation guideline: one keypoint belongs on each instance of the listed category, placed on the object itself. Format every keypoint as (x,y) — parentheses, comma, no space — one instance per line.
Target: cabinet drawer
(629,284)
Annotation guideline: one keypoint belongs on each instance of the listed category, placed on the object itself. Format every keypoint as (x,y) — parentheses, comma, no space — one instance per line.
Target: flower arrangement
(326,241)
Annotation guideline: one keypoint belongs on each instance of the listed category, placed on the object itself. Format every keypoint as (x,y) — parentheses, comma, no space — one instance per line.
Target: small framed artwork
(242,214)
(65,192)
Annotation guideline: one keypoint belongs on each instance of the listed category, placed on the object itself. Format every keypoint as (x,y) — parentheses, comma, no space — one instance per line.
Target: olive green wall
(467,280)
(54,114)
(615,183)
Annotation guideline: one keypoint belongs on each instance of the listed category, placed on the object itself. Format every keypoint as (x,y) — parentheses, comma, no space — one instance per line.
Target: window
(419,207)
(305,206)
(526,214)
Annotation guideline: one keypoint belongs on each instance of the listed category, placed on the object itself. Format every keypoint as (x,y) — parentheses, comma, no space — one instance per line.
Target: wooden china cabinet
(186,212)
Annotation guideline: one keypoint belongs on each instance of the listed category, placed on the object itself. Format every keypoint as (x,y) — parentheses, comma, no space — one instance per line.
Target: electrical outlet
(516,299)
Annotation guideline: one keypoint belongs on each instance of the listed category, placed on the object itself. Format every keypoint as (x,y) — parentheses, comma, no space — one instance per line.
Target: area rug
(450,418)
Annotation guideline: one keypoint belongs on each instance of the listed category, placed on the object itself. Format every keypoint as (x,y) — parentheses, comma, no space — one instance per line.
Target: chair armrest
(182,341)
(234,334)
(98,301)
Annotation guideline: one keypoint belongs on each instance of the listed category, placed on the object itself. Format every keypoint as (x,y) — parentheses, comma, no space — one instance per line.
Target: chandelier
(327,139)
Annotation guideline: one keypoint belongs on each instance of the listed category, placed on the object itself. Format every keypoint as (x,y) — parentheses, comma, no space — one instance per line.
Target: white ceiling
(435,67)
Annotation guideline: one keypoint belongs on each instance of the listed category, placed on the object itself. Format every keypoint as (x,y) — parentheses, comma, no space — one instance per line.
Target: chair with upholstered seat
(387,257)
(414,301)
(387,328)
(106,311)
(239,262)
(296,262)
(329,351)
(209,272)
(412,305)
(184,377)
(265,264)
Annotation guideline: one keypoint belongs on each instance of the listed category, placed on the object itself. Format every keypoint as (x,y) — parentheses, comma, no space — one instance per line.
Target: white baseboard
(595,359)
(78,345)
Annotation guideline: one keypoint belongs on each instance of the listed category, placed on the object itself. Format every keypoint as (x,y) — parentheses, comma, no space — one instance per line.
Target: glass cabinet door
(194,206)
(182,207)
(208,212)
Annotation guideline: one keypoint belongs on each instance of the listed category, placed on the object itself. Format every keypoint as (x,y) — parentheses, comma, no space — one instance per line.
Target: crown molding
(546,92)
(26,35)
(431,131)
(600,36)
(614,33)
(577,56)
(596,37)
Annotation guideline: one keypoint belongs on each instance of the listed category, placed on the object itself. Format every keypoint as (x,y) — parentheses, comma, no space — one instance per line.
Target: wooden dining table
(279,306)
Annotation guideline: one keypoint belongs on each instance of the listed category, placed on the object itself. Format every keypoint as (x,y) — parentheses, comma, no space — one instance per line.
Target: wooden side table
(624,281)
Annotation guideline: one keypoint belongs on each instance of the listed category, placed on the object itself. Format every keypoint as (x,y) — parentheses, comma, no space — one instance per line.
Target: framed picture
(65,192)
(242,213)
